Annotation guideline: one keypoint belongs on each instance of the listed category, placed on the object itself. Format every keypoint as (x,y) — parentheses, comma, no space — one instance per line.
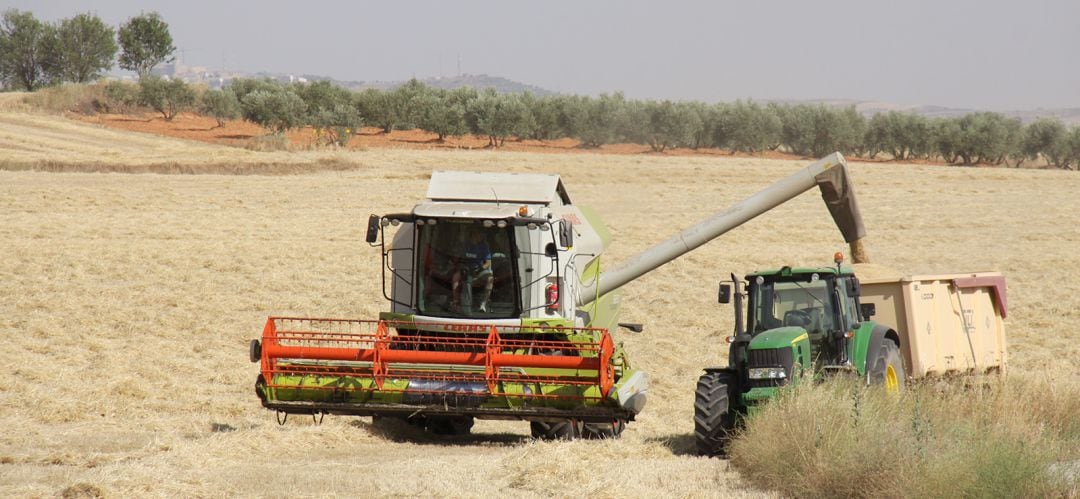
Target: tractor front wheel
(714,419)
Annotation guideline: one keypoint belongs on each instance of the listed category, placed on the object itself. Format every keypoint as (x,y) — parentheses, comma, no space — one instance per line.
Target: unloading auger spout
(829,174)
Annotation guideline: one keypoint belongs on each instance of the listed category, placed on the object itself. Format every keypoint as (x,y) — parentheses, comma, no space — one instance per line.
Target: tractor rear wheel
(563,429)
(714,419)
(888,367)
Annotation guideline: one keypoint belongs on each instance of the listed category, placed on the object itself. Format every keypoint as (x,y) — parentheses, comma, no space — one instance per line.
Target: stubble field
(127,302)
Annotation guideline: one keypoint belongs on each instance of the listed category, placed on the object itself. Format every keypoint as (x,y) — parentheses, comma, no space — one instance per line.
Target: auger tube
(829,173)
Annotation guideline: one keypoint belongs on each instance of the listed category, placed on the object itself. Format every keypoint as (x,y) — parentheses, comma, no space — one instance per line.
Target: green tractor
(798,321)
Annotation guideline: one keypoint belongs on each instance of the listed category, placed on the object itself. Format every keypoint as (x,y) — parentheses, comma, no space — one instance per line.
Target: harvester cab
(494,247)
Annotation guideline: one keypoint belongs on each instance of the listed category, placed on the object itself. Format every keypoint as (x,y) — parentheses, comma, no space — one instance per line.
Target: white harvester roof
(531,188)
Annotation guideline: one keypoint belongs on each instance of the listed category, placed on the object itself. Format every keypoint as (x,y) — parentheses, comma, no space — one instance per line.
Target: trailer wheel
(889,368)
(714,420)
(597,431)
(563,429)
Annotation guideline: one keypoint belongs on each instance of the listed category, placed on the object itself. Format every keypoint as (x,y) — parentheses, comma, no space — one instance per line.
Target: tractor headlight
(767,373)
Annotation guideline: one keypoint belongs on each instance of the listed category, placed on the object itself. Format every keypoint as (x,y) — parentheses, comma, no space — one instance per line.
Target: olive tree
(440,112)
(1047,137)
(27,48)
(899,134)
(984,137)
(817,130)
(145,42)
(168,97)
(496,116)
(382,109)
(330,111)
(1072,143)
(596,122)
(751,127)
(241,87)
(85,48)
(277,110)
(222,105)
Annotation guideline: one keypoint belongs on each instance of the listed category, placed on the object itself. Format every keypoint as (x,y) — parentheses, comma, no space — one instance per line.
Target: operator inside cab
(474,270)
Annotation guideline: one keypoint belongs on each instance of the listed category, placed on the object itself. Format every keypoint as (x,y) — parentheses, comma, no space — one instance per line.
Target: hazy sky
(981,54)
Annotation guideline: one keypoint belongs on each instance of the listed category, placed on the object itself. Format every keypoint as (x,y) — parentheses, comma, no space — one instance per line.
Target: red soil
(240,133)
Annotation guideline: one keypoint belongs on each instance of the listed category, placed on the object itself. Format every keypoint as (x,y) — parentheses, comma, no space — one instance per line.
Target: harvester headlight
(420,221)
(501,224)
(385,222)
(532,226)
(489,223)
(767,373)
(431,221)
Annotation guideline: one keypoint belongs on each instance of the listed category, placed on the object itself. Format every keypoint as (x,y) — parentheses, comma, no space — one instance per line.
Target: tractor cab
(817,301)
(797,319)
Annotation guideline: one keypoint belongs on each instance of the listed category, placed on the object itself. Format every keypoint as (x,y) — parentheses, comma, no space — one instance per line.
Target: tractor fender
(739,386)
(867,343)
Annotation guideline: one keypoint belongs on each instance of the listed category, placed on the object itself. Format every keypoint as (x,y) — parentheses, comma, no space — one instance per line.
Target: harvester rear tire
(597,431)
(565,429)
(888,367)
(714,420)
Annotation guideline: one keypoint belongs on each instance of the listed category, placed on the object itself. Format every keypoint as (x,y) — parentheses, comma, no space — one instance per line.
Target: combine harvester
(499,310)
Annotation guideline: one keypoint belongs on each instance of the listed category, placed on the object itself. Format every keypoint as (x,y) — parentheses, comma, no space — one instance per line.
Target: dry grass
(128,300)
(994,438)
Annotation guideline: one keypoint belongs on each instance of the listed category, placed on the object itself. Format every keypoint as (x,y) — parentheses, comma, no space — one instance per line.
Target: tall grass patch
(76,97)
(969,437)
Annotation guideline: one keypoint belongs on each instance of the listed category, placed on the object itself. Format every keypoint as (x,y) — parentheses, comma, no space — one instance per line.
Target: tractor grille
(770,357)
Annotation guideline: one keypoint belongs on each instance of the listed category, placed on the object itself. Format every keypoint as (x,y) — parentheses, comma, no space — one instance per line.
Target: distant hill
(500,84)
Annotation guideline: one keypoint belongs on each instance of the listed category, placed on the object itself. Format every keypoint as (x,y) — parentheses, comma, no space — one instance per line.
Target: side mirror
(853,287)
(372,229)
(725,293)
(566,234)
(868,310)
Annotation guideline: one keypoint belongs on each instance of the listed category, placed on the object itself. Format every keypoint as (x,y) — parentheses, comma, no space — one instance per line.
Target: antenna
(496,196)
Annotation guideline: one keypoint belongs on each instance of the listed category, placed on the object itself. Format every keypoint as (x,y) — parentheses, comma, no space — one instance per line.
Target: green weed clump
(968,437)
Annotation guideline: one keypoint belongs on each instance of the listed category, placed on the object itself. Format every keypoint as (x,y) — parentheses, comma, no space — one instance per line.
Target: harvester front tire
(450,425)
(597,431)
(713,418)
(565,429)
(888,367)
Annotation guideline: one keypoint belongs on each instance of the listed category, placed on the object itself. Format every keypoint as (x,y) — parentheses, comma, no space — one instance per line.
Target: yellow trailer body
(948,323)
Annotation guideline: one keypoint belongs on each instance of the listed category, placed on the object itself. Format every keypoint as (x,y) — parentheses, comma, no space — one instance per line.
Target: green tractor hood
(781,337)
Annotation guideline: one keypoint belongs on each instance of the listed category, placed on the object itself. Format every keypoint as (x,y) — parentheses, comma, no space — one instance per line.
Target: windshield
(804,304)
(466,270)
